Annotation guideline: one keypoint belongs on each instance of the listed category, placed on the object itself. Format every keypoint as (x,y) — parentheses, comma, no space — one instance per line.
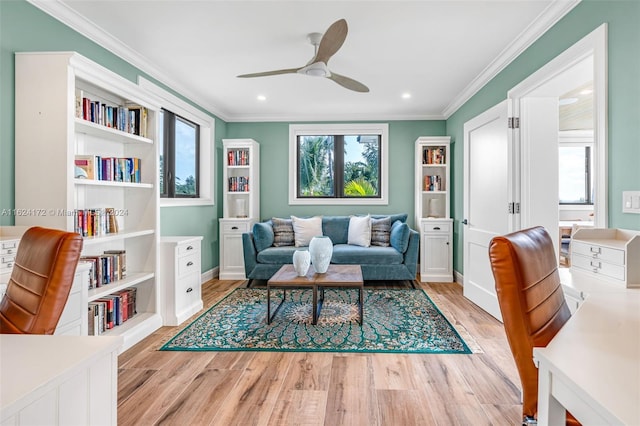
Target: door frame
(592,45)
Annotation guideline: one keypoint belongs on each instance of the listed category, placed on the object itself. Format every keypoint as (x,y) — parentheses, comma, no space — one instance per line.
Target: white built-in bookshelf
(53,129)
(240,202)
(432,204)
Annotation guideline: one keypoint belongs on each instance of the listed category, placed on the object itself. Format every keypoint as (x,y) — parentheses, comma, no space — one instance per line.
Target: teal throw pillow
(262,235)
(399,237)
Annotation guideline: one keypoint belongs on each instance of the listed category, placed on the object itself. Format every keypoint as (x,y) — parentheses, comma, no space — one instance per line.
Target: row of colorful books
(433,155)
(239,184)
(126,118)
(432,183)
(115,169)
(106,268)
(111,311)
(238,157)
(95,222)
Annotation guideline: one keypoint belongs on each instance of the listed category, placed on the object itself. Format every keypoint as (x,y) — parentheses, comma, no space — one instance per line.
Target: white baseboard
(210,274)
(458,277)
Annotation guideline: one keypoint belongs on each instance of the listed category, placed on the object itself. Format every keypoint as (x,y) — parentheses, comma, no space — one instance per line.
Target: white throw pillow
(360,231)
(306,229)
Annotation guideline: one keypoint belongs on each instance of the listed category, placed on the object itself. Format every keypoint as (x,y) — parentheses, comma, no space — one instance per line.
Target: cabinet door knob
(190,248)
(465,222)
(190,264)
(189,290)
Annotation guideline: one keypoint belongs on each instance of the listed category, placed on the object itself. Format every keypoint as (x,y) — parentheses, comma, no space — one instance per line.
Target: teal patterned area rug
(395,321)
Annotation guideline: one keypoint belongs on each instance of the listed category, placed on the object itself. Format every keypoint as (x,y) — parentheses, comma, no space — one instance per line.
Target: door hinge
(513,122)
(514,208)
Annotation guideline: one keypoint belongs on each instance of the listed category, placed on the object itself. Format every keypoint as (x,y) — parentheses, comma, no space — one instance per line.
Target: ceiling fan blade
(348,83)
(268,73)
(331,41)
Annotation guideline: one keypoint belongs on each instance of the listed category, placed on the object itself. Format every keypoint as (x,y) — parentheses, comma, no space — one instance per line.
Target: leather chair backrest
(40,282)
(531,300)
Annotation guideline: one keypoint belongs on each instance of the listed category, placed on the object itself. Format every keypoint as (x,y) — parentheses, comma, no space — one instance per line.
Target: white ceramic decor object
(321,249)
(301,262)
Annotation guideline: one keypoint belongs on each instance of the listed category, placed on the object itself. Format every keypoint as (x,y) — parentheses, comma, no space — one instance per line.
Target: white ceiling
(441,52)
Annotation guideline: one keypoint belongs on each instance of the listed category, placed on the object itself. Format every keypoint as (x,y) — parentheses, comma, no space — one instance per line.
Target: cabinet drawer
(72,310)
(7,247)
(598,252)
(435,227)
(187,292)
(232,227)
(189,248)
(598,266)
(188,264)
(6,262)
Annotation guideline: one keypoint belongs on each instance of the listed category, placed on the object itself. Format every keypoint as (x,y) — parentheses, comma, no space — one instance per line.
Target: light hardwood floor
(284,388)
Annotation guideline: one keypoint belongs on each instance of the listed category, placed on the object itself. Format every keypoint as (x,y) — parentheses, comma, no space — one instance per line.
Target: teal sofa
(398,261)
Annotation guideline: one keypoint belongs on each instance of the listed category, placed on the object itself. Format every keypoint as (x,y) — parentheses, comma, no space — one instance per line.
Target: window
(195,150)
(338,164)
(179,156)
(576,180)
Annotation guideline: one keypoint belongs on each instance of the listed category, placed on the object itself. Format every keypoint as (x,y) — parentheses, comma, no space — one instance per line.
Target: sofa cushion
(336,228)
(283,232)
(263,235)
(276,255)
(360,231)
(399,236)
(355,255)
(402,217)
(305,229)
(380,231)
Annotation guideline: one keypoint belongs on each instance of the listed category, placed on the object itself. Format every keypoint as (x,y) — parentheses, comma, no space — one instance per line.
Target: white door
(489,188)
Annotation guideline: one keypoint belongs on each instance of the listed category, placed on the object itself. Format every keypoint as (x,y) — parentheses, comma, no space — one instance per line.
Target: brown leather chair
(531,301)
(39,286)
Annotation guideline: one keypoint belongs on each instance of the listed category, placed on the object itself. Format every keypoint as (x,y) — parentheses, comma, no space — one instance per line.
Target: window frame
(169,145)
(380,129)
(206,152)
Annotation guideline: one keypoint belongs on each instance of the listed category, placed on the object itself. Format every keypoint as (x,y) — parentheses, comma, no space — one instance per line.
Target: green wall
(274,168)
(623,19)
(24,27)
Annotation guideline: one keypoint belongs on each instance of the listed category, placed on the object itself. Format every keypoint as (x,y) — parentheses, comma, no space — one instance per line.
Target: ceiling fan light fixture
(317,69)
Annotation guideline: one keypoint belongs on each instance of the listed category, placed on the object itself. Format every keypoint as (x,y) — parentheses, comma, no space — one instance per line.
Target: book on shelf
(129,118)
(239,184)
(106,268)
(84,167)
(432,183)
(111,311)
(433,155)
(95,222)
(238,157)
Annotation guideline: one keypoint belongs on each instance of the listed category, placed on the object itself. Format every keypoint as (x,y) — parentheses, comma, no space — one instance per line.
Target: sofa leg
(249,283)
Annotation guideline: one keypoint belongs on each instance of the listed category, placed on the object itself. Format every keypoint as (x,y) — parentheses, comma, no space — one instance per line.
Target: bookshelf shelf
(90,128)
(53,90)
(131,280)
(432,201)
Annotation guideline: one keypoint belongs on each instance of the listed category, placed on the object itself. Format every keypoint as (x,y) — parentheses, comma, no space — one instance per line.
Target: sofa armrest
(250,253)
(411,254)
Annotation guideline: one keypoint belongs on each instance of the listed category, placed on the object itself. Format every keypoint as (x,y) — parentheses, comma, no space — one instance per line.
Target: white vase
(321,249)
(301,262)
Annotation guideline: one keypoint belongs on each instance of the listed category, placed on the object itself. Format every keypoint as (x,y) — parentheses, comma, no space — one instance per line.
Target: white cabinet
(69,108)
(75,382)
(181,282)
(432,204)
(436,250)
(241,203)
(607,254)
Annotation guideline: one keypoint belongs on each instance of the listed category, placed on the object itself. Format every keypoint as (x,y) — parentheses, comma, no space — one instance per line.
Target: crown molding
(329,117)
(93,32)
(547,19)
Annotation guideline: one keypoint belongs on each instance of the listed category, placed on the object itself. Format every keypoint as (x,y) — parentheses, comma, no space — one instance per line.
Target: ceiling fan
(325,47)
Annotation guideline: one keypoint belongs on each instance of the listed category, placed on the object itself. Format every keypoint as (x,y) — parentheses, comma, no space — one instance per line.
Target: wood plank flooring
(297,388)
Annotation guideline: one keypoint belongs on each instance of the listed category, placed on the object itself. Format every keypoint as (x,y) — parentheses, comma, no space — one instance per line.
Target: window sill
(185,202)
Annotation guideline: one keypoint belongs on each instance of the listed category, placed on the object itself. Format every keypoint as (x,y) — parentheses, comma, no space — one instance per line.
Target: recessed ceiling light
(568,101)
(262,98)
(406,95)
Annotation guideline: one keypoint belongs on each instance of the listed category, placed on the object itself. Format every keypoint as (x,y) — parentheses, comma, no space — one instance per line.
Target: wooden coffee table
(337,276)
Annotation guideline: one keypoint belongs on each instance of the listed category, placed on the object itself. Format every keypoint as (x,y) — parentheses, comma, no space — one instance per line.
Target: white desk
(592,366)
(58,380)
